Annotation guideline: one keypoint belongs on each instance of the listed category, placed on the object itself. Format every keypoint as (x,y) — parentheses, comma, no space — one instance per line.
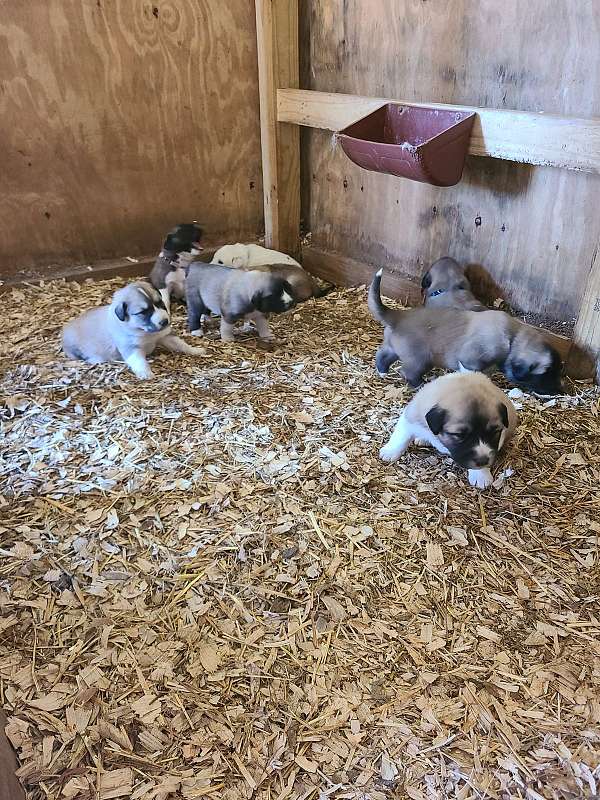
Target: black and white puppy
(464,416)
(445,285)
(235,294)
(180,247)
(129,329)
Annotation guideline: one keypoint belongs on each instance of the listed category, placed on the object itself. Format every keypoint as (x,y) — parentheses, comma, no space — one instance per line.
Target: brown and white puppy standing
(422,338)
(179,249)
(235,294)
(464,416)
(445,285)
(129,329)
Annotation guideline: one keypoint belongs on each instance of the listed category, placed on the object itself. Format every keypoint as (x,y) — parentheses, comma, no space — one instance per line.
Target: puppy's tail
(376,307)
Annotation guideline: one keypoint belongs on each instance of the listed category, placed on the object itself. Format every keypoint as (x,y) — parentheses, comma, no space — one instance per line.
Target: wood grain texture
(10,788)
(587,329)
(122,118)
(532,231)
(525,137)
(278,65)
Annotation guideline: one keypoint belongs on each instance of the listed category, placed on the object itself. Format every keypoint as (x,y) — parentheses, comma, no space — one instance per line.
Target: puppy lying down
(235,294)
(422,338)
(129,329)
(445,285)
(250,255)
(464,416)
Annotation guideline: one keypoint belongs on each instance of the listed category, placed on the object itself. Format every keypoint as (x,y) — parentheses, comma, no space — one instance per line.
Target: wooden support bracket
(278,65)
(523,136)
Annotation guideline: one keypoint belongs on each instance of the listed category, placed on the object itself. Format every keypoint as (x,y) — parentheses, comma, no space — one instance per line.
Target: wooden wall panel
(120,118)
(533,229)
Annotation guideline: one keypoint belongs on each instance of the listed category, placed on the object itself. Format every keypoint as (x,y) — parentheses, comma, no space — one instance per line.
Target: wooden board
(10,788)
(529,138)
(587,329)
(278,65)
(121,119)
(531,232)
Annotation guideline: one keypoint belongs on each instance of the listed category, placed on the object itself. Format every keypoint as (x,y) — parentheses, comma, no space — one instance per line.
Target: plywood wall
(534,230)
(119,118)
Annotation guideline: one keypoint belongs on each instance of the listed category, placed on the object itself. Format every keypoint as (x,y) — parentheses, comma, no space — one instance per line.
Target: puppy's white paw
(227,337)
(197,332)
(421,442)
(480,478)
(196,351)
(382,374)
(144,374)
(268,337)
(388,454)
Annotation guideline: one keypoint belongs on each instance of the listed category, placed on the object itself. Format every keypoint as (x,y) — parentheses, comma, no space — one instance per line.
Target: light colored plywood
(120,119)
(530,232)
(278,65)
(587,329)
(537,138)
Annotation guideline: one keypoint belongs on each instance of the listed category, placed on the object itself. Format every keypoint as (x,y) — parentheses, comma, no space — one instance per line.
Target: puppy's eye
(459,435)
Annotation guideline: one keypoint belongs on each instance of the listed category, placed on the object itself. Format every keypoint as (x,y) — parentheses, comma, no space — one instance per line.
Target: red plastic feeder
(423,144)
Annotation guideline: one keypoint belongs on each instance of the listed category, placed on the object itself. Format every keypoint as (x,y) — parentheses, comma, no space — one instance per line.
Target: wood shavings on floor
(211,587)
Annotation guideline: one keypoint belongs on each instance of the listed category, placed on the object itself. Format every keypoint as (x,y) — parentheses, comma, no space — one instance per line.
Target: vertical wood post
(278,67)
(586,336)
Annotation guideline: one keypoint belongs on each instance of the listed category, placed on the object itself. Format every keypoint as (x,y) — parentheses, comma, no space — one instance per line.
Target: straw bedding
(210,586)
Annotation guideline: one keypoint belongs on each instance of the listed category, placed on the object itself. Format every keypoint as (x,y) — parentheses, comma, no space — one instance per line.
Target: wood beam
(523,136)
(586,337)
(278,65)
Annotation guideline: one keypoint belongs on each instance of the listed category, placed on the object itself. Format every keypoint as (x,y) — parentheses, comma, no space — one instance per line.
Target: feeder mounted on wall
(421,143)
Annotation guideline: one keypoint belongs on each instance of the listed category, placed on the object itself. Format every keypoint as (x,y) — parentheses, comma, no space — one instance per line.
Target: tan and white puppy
(464,416)
(129,329)
(235,294)
(250,255)
(422,338)
(445,285)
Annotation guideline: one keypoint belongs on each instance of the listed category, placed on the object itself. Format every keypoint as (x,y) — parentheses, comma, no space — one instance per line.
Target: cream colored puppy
(129,329)
(250,255)
(464,416)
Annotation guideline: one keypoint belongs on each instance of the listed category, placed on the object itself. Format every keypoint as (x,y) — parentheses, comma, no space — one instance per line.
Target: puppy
(445,285)
(250,255)
(303,285)
(234,295)
(179,249)
(129,329)
(463,416)
(422,338)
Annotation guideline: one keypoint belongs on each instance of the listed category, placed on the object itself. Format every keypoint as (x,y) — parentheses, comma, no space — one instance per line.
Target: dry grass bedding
(210,586)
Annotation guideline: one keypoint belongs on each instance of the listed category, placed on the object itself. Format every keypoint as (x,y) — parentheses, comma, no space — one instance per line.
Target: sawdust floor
(210,586)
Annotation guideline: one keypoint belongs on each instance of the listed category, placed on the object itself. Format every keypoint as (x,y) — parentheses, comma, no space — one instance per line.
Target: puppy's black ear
(121,311)
(503,411)
(436,417)
(426,282)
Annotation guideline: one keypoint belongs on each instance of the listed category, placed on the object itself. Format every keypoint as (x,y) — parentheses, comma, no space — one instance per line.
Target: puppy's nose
(481,461)
(163,323)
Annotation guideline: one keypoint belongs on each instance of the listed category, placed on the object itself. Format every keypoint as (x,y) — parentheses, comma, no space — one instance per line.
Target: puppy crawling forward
(235,294)
(250,255)
(129,329)
(464,416)
(422,338)
(180,247)
(445,285)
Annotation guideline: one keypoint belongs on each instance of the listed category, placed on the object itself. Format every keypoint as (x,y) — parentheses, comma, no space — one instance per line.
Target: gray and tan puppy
(235,294)
(445,285)
(422,338)
(303,285)
(464,416)
(129,329)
